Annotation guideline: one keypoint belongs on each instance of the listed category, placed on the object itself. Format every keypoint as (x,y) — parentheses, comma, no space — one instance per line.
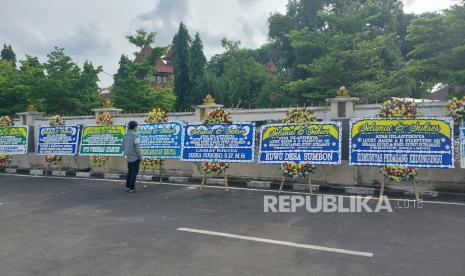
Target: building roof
(145,52)
(163,66)
(446,92)
(105,94)
(271,66)
(416,100)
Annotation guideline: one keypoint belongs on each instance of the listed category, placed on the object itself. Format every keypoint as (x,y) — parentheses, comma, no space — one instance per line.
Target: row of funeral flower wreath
(102,119)
(5,121)
(396,108)
(392,108)
(156,115)
(51,159)
(293,169)
(218,115)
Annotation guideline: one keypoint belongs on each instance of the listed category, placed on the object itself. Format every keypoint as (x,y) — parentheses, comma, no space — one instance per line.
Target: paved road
(52,226)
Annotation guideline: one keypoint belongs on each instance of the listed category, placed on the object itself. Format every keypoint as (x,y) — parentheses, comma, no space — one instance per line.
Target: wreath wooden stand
(104,171)
(309,181)
(143,172)
(47,169)
(9,166)
(204,180)
(414,185)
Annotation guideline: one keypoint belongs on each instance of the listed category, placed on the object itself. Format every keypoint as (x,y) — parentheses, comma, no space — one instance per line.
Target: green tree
(133,91)
(12,98)
(197,64)
(32,78)
(142,38)
(58,86)
(180,48)
(123,70)
(351,43)
(132,82)
(68,88)
(7,53)
(439,47)
(236,79)
(131,86)
(163,97)
(271,94)
(299,14)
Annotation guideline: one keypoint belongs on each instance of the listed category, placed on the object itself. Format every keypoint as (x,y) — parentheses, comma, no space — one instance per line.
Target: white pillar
(342,107)
(203,109)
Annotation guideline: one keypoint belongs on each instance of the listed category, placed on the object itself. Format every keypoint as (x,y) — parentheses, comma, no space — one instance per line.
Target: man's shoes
(127,189)
(131,190)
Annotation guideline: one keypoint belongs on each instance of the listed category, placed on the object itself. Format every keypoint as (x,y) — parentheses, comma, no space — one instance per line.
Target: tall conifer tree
(181,67)
(197,71)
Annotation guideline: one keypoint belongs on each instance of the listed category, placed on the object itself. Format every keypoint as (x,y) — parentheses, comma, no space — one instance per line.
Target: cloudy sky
(95,30)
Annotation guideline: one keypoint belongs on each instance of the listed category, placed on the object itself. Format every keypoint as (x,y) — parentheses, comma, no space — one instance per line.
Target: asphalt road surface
(65,226)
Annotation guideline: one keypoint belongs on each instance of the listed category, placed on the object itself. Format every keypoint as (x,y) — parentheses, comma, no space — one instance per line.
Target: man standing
(131,142)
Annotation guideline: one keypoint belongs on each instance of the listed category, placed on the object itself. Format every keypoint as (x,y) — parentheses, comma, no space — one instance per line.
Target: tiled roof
(105,95)
(445,93)
(146,52)
(271,66)
(164,64)
(164,67)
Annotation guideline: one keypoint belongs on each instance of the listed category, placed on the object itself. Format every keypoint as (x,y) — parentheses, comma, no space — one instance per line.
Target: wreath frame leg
(381,190)
(142,177)
(47,168)
(75,161)
(414,184)
(310,188)
(309,182)
(106,170)
(204,179)
(282,184)
(6,164)
(226,186)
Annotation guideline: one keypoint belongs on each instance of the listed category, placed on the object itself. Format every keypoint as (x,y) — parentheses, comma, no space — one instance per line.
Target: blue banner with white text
(422,142)
(219,142)
(161,140)
(314,143)
(58,140)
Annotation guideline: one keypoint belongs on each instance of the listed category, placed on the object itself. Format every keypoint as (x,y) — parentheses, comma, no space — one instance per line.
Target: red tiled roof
(163,67)
(271,66)
(164,64)
(441,95)
(445,93)
(106,95)
(146,52)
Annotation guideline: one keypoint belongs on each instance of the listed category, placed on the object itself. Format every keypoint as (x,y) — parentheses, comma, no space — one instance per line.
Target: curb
(246,183)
